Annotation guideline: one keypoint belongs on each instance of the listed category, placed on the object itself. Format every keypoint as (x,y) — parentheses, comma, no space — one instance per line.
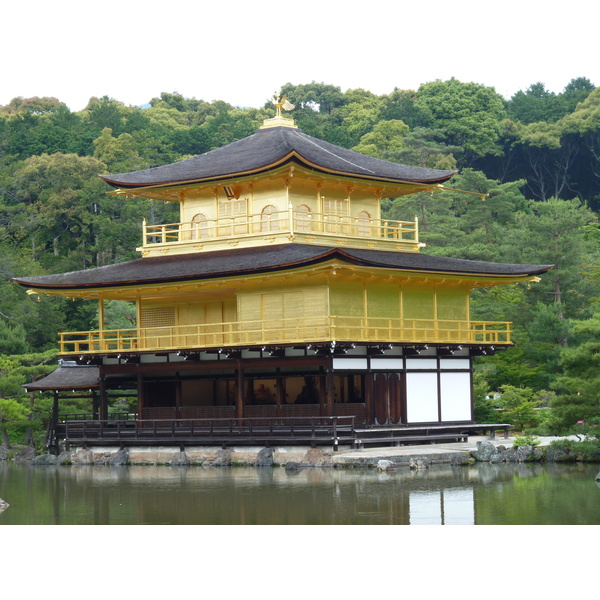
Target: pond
(485,494)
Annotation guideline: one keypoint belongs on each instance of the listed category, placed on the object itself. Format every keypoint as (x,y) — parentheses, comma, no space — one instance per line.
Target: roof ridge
(313,141)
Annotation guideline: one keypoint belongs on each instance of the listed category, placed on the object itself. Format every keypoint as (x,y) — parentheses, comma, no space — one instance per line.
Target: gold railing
(285,331)
(289,222)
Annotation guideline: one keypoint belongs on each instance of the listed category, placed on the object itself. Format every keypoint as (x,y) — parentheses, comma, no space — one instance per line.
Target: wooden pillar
(239,400)
(140,395)
(54,441)
(280,396)
(103,399)
(439,389)
(322,396)
(101,322)
(95,407)
(471,393)
(330,391)
(403,402)
(369,398)
(177,396)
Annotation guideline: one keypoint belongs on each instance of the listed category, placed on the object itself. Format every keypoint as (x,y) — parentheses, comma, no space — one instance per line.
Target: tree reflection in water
(482,494)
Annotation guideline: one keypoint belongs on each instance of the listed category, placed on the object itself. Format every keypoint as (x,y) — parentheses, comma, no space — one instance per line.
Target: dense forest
(536,156)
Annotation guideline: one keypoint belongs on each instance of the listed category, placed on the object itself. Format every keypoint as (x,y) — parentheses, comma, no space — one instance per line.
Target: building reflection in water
(440,495)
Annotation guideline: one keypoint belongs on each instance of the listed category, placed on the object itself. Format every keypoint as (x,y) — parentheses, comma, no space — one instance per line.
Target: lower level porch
(315,431)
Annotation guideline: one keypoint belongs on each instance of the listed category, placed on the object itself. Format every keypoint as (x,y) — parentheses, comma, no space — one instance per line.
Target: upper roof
(250,261)
(271,147)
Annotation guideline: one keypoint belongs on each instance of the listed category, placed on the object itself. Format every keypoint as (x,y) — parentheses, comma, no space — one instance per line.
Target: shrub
(587,450)
(519,406)
(525,440)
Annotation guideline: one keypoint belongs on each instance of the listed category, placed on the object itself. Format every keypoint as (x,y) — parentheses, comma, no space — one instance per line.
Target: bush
(525,440)
(519,406)
(586,451)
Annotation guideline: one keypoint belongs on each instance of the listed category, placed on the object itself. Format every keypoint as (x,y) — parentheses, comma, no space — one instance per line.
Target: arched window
(303,218)
(363,224)
(269,218)
(199,226)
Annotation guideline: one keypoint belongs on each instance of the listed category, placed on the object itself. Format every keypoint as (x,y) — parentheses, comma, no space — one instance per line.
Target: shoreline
(476,449)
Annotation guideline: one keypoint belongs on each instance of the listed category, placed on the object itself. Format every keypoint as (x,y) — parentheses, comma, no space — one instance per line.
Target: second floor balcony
(286,331)
(202,233)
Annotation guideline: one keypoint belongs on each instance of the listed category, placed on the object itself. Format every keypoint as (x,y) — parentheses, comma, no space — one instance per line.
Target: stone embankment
(292,457)
(297,457)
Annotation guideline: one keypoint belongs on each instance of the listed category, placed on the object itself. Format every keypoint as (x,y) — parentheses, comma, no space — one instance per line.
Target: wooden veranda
(318,431)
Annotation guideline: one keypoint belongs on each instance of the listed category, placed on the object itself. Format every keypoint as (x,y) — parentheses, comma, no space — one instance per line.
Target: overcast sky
(243,52)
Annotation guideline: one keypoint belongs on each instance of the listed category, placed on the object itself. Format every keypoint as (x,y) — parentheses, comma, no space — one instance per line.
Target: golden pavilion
(283,294)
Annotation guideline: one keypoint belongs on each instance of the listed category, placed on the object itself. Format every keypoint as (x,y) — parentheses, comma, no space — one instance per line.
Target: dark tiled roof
(270,147)
(229,263)
(68,377)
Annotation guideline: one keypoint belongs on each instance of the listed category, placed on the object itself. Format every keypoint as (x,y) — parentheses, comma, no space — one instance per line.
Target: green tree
(58,195)
(17,370)
(463,225)
(34,105)
(519,406)
(37,127)
(401,105)
(359,115)
(106,113)
(533,105)
(575,92)
(538,104)
(192,141)
(560,157)
(385,140)
(555,232)
(470,114)
(578,387)
(118,154)
(13,339)
(422,147)
(12,413)
(119,315)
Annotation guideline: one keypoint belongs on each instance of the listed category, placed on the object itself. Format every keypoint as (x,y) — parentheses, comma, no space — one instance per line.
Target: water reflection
(484,494)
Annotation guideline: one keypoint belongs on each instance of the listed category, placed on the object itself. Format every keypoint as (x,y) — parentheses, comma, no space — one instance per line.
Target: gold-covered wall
(279,303)
(398,301)
(319,196)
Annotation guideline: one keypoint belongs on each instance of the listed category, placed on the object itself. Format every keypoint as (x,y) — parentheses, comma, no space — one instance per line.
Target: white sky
(243,52)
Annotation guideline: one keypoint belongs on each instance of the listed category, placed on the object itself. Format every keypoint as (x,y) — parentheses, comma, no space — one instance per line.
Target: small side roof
(68,376)
(271,147)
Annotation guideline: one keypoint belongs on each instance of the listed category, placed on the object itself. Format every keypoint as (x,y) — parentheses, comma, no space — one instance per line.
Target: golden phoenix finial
(282,104)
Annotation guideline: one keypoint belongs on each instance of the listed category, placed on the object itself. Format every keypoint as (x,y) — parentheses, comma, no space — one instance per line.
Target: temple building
(283,293)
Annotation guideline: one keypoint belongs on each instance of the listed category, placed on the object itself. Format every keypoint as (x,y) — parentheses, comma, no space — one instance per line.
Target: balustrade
(289,222)
(286,331)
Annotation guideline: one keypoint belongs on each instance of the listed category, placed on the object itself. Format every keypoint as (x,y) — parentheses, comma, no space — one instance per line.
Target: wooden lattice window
(335,215)
(336,207)
(233,211)
(232,208)
(158,316)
